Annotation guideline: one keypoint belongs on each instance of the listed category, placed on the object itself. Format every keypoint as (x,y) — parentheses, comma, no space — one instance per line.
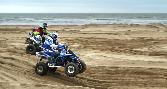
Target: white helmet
(54,35)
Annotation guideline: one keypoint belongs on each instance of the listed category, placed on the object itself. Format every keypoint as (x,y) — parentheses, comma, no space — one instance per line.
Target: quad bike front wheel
(71,69)
(41,68)
(31,49)
(82,66)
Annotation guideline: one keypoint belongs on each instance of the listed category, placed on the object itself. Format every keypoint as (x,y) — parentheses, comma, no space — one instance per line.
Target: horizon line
(82,13)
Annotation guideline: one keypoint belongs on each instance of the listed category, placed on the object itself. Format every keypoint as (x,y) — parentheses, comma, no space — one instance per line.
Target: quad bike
(34,43)
(63,58)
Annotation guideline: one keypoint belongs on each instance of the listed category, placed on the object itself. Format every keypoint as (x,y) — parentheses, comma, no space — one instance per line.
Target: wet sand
(118,56)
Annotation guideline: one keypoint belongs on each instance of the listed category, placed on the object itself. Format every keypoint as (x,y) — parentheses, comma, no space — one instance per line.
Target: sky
(83,6)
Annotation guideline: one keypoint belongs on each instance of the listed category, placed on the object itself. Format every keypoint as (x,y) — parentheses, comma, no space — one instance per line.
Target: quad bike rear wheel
(31,49)
(41,68)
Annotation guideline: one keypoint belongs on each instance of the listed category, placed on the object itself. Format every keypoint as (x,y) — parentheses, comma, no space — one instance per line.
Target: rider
(41,30)
(50,47)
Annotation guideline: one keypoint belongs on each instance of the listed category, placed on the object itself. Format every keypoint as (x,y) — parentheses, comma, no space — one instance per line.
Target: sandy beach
(118,56)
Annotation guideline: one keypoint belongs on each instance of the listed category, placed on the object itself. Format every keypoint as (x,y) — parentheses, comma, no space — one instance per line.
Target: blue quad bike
(63,58)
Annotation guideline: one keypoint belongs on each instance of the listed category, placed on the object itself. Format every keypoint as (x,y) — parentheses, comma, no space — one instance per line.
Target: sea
(82,18)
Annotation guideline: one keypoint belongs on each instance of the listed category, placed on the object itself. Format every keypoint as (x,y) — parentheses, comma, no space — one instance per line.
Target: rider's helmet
(45,25)
(54,36)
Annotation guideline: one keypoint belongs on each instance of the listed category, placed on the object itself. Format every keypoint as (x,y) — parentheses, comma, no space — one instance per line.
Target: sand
(118,56)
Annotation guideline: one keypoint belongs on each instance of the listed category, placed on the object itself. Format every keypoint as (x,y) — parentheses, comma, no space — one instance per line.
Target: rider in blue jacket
(50,47)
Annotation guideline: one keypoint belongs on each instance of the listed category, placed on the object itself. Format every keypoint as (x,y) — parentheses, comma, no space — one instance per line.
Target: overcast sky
(83,6)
